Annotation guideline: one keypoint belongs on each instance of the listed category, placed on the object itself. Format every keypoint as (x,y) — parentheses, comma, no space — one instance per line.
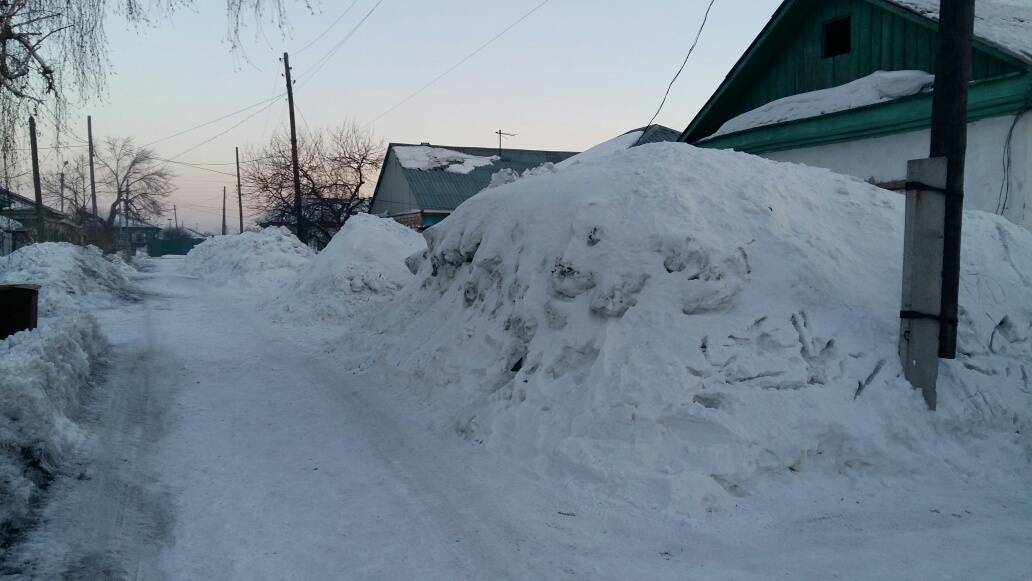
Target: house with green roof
(846,85)
(420,185)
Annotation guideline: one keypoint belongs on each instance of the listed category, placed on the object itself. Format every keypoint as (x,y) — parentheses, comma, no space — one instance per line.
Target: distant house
(20,222)
(420,185)
(845,85)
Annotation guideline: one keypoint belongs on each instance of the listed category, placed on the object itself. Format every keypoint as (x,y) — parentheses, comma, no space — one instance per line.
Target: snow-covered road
(228,448)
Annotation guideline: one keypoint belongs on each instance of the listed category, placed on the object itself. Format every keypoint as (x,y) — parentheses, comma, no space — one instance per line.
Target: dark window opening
(838,37)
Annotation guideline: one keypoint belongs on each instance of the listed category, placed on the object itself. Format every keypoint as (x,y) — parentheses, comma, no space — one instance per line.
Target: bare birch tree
(137,181)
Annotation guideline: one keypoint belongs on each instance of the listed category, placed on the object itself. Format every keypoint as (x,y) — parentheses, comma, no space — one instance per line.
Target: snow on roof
(426,158)
(876,88)
(1004,23)
(9,224)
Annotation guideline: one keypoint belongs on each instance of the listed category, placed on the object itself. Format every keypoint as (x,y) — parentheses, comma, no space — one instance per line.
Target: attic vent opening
(838,37)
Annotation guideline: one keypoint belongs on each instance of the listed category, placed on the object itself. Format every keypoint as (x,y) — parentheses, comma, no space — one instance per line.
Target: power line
(328,28)
(460,63)
(221,133)
(213,121)
(691,49)
(319,64)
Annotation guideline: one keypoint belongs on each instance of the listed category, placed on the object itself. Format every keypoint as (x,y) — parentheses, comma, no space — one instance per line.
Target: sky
(572,74)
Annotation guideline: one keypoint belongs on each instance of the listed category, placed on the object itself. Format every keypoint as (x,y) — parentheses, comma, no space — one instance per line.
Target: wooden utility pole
(298,210)
(61,190)
(223,210)
(40,231)
(175,215)
(93,179)
(240,195)
(949,140)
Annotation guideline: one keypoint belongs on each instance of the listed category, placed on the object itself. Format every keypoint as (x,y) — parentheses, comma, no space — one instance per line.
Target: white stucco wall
(884,159)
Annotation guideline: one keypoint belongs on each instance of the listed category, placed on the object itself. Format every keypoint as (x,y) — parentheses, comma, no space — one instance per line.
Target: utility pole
(934,212)
(223,210)
(298,211)
(93,179)
(240,195)
(502,134)
(62,192)
(40,231)
(175,214)
(949,140)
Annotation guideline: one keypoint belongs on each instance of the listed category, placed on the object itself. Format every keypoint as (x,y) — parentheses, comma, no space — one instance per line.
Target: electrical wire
(691,49)
(221,133)
(328,28)
(310,73)
(213,121)
(460,63)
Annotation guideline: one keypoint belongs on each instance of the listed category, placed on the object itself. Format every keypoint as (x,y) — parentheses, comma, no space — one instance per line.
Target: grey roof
(655,134)
(444,190)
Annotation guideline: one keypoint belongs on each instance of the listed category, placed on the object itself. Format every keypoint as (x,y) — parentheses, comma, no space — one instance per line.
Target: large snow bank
(618,143)
(272,256)
(684,326)
(878,87)
(363,265)
(69,276)
(44,376)
(427,158)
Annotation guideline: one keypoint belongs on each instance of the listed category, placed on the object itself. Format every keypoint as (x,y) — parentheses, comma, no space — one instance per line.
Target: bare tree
(74,196)
(336,167)
(53,49)
(136,178)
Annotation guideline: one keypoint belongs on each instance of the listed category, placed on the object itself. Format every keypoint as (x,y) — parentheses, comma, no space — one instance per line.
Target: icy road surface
(230,449)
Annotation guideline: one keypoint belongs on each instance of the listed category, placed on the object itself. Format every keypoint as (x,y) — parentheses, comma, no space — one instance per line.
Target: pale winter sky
(574,73)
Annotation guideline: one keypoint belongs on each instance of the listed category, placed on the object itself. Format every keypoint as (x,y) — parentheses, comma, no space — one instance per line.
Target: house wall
(791,59)
(393,196)
(884,159)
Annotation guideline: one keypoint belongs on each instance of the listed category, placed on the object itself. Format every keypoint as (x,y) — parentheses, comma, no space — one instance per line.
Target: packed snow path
(234,449)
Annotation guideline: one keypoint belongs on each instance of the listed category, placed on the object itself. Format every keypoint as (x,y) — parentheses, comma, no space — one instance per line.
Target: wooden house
(420,185)
(846,85)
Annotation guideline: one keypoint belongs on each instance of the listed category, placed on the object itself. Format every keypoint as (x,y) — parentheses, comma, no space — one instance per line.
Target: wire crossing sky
(563,74)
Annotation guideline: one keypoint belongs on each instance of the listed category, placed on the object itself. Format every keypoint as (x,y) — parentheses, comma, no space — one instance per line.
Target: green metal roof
(444,190)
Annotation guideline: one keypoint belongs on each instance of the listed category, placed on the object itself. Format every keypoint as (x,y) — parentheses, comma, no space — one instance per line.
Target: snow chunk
(69,276)
(878,87)
(426,158)
(363,265)
(679,327)
(44,377)
(269,257)
(618,143)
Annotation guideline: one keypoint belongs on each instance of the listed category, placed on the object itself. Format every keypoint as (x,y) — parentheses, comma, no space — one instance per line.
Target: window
(838,37)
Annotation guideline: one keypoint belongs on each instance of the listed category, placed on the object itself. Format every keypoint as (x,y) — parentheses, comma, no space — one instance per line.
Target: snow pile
(878,87)
(69,276)
(509,175)
(271,256)
(619,143)
(44,376)
(682,326)
(1004,23)
(427,158)
(363,265)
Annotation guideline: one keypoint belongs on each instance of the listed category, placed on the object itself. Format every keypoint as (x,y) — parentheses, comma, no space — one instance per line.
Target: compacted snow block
(363,265)
(44,378)
(69,276)
(683,326)
(271,256)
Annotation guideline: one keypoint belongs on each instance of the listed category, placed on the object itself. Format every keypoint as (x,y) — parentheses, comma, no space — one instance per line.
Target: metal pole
(949,140)
(298,211)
